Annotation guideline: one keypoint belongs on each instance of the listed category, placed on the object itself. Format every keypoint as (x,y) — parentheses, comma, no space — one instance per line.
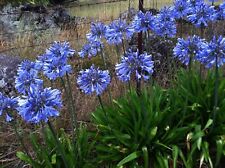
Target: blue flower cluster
(54,61)
(143,22)
(180,9)
(165,24)
(7,104)
(188,49)
(91,49)
(212,52)
(93,80)
(207,53)
(27,74)
(98,31)
(201,14)
(39,104)
(141,65)
(118,31)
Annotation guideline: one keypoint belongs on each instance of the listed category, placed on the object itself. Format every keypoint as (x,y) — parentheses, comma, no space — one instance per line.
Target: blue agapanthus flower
(165,25)
(201,14)
(93,80)
(214,49)
(60,49)
(40,104)
(140,65)
(180,9)
(54,62)
(221,11)
(27,74)
(194,3)
(188,49)
(143,22)
(91,49)
(6,105)
(97,31)
(117,31)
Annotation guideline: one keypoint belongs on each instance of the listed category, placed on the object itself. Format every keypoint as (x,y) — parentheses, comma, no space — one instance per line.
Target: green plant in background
(47,155)
(193,98)
(139,131)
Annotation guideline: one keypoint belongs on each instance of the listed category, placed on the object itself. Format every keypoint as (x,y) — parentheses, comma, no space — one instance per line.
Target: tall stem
(59,146)
(20,139)
(216,92)
(124,48)
(140,47)
(69,106)
(70,94)
(103,58)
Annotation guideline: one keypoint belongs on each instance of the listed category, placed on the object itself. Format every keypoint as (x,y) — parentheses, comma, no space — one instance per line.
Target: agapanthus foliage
(201,14)
(97,31)
(143,22)
(90,49)
(55,61)
(165,24)
(134,63)
(180,9)
(27,74)
(40,104)
(7,104)
(188,49)
(118,31)
(215,50)
(93,80)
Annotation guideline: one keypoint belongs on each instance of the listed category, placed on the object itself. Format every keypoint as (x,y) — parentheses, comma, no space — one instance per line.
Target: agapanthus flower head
(40,104)
(143,22)
(93,80)
(188,49)
(28,66)
(165,25)
(202,14)
(7,104)
(117,31)
(27,74)
(60,49)
(221,11)
(98,30)
(194,3)
(91,49)
(134,63)
(54,62)
(214,50)
(180,9)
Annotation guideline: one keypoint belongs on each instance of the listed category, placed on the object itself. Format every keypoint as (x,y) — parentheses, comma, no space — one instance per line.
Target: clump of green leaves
(77,154)
(139,131)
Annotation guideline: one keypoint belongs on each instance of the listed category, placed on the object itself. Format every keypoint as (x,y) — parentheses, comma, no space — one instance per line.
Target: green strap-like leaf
(129,158)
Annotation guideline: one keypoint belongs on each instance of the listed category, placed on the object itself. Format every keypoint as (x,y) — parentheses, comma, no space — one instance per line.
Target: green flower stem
(59,146)
(118,53)
(103,59)
(124,48)
(69,107)
(102,106)
(138,87)
(14,124)
(181,28)
(216,92)
(74,116)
